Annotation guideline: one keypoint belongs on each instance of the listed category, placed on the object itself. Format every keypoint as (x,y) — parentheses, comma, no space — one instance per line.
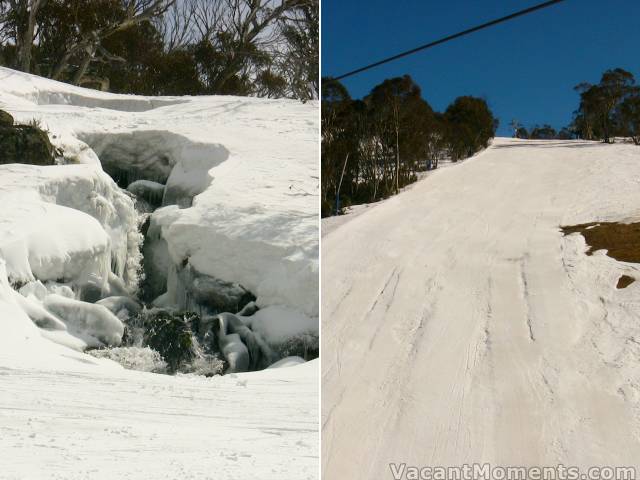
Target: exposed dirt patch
(624,281)
(621,240)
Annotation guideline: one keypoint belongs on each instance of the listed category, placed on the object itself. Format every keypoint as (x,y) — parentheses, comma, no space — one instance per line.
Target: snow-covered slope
(460,326)
(131,425)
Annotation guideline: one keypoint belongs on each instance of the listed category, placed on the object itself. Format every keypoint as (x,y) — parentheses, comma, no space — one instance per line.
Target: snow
(49,242)
(287,362)
(134,425)
(238,180)
(460,326)
(64,222)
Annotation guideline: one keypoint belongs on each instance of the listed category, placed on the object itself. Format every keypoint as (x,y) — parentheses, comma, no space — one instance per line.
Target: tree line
(374,146)
(608,109)
(167,47)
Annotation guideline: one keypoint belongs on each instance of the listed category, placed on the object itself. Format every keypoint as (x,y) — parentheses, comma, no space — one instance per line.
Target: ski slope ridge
(470,330)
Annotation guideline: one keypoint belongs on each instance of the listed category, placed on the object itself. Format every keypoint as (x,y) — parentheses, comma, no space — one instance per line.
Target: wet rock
(156,262)
(24,144)
(212,293)
(95,289)
(6,120)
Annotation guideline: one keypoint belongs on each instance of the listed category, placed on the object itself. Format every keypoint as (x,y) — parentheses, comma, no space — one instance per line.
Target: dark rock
(249,309)
(6,120)
(94,290)
(219,294)
(213,294)
(171,336)
(25,144)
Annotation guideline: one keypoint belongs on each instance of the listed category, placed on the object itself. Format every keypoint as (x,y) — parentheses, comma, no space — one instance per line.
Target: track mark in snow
(525,295)
(386,284)
(342,299)
(397,387)
(395,277)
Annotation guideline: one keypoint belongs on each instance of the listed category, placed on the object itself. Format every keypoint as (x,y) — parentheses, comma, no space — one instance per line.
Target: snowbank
(65,222)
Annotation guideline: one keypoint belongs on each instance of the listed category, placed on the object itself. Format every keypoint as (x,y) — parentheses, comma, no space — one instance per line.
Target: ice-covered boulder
(232,348)
(121,306)
(86,320)
(98,288)
(149,191)
(260,353)
(38,314)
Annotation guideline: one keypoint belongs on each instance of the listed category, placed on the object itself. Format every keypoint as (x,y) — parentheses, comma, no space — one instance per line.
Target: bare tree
(178,24)
(300,65)
(135,11)
(24,13)
(241,39)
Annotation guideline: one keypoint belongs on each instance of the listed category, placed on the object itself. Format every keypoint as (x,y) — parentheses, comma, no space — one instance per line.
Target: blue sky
(526,68)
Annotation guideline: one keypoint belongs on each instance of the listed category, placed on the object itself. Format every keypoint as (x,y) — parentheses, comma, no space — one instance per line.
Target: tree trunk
(60,67)
(397,125)
(82,69)
(397,158)
(344,167)
(25,32)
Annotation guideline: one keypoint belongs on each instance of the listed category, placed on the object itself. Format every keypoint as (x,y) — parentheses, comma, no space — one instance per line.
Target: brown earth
(624,281)
(621,240)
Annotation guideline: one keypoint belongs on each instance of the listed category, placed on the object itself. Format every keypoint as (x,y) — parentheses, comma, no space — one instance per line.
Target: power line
(451,37)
